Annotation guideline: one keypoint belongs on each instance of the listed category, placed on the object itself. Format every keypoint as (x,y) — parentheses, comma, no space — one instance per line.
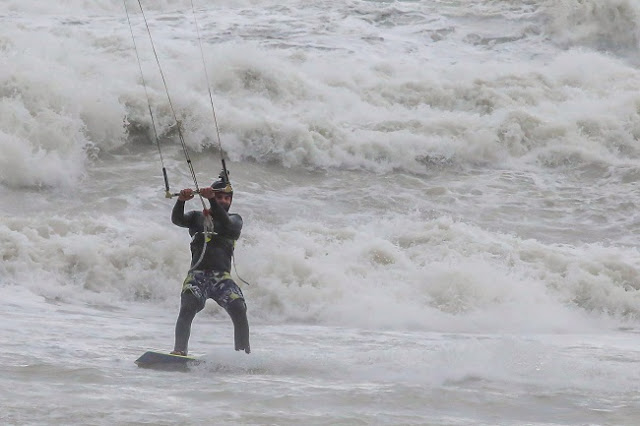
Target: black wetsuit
(219,249)
(209,275)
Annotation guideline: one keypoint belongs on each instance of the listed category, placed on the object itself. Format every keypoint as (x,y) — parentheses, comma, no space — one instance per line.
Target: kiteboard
(163,361)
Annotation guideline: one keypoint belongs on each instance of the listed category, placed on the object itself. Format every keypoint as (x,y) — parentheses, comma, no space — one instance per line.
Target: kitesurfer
(211,256)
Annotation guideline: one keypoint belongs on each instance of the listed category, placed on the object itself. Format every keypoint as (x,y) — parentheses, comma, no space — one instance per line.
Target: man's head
(223,191)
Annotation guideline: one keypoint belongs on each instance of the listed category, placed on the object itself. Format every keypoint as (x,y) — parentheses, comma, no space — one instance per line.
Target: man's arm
(219,213)
(231,223)
(177,214)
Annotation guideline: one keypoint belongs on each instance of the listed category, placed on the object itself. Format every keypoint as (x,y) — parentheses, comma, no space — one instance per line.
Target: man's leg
(229,296)
(189,306)
(237,310)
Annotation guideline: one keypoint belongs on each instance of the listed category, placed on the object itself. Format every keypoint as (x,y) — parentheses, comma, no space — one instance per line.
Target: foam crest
(610,26)
(41,149)
(54,115)
(90,259)
(548,114)
(293,103)
(389,270)
(440,275)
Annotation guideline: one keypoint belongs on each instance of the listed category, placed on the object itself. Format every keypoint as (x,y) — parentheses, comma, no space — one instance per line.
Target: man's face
(224,199)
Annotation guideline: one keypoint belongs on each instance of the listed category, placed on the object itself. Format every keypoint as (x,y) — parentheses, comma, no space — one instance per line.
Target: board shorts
(212,285)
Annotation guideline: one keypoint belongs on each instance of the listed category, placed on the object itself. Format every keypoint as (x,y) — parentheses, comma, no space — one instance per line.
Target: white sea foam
(303,106)
(439,201)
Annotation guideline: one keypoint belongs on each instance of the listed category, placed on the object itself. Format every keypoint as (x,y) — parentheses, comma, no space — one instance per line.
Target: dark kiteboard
(163,361)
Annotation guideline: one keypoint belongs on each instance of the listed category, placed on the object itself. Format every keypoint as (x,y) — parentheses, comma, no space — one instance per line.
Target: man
(211,251)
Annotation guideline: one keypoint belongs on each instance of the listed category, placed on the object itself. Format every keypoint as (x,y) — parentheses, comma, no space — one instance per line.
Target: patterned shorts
(212,285)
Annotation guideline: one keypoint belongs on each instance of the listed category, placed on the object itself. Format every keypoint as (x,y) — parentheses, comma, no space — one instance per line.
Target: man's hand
(207,192)
(185,194)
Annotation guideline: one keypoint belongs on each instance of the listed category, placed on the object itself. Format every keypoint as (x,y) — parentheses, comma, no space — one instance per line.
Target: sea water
(440,204)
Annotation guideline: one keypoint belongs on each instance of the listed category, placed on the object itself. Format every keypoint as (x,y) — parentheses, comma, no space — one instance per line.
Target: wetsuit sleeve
(178,217)
(219,213)
(231,223)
